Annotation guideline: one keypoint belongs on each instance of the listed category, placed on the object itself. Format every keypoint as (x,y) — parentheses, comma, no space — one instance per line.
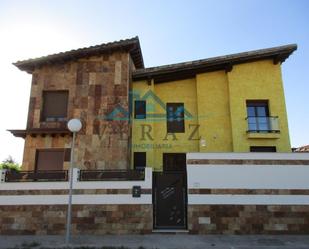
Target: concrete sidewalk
(162,241)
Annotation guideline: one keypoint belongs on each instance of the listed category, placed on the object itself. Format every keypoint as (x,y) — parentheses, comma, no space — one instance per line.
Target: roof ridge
(227,56)
(77,49)
(188,69)
(27,64)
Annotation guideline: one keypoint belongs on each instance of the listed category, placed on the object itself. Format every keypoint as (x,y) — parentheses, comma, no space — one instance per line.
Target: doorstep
(169,231)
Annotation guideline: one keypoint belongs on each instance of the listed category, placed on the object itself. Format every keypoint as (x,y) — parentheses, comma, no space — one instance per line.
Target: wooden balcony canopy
(40,132)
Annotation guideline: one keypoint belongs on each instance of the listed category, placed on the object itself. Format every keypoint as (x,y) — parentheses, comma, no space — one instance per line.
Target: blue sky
(169,32)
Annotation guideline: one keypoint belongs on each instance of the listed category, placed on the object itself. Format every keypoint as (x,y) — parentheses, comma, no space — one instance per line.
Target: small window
(50,159)
(263,149)
(55,105)
(175,117)
(258,116)
(139,160)
(140,109)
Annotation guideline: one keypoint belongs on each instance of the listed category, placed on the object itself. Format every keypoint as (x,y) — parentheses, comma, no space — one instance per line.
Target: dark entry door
(169,200)
(170,193)
(174,162)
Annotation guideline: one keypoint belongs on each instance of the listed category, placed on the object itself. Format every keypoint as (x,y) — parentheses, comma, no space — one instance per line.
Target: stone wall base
(137,219)
(86,219)
(248,219)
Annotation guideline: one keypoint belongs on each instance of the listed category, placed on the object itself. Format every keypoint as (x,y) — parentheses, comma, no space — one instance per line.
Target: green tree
(10,164)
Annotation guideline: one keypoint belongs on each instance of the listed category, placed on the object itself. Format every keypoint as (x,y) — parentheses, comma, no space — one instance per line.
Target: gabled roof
(191,68)
(131,45)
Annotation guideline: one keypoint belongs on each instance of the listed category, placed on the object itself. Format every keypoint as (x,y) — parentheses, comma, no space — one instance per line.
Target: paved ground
(160,241)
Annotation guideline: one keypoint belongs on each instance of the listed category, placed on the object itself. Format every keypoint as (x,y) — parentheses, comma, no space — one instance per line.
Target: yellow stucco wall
(252,81)
(183,91)
(217,102)
(213,112)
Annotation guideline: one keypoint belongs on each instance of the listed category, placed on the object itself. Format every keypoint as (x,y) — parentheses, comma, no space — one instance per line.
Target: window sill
(270,135)
(54,120)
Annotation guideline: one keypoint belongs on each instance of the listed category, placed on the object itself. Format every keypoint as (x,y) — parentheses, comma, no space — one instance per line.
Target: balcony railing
(263,124)
(111,175)
(36,176)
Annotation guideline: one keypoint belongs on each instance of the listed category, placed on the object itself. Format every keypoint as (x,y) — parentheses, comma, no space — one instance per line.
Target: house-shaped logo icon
(155,108)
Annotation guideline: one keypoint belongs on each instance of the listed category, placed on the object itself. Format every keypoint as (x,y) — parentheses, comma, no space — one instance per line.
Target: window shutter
(67,154)
(49,159)
(55,105)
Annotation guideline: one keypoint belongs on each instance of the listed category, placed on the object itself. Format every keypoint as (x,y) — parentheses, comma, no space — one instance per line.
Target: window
(263,149)
(139,160)
(55,105)
(140,109)
(175,117)
(258,116)
(51,159)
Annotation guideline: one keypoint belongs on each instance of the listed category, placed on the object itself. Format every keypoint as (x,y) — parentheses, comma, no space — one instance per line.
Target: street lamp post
(74,125)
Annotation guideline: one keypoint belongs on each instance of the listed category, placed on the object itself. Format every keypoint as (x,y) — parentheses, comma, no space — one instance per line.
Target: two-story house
(138,116)
(137,119)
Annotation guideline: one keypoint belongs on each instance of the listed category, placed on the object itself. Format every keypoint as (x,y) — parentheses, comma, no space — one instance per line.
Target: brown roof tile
(302,149)
(132,45)
(191,68)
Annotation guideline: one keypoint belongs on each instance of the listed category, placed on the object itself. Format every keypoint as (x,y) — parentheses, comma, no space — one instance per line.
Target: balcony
(263,127)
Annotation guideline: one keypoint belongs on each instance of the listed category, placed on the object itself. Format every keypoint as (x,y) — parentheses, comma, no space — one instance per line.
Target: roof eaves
(188,69)
(132,45)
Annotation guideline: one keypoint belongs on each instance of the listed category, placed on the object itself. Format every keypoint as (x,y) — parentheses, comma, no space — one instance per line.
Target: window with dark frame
(139,109)
(55,105)
(258,116)
(175,117)
(263,149)
(139,159)
(51,159)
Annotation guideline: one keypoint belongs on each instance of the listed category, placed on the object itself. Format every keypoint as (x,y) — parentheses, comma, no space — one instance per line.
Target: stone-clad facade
(86,219)
(33,143)
(137,219)
(248,219)
(97,86)
(101,86)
